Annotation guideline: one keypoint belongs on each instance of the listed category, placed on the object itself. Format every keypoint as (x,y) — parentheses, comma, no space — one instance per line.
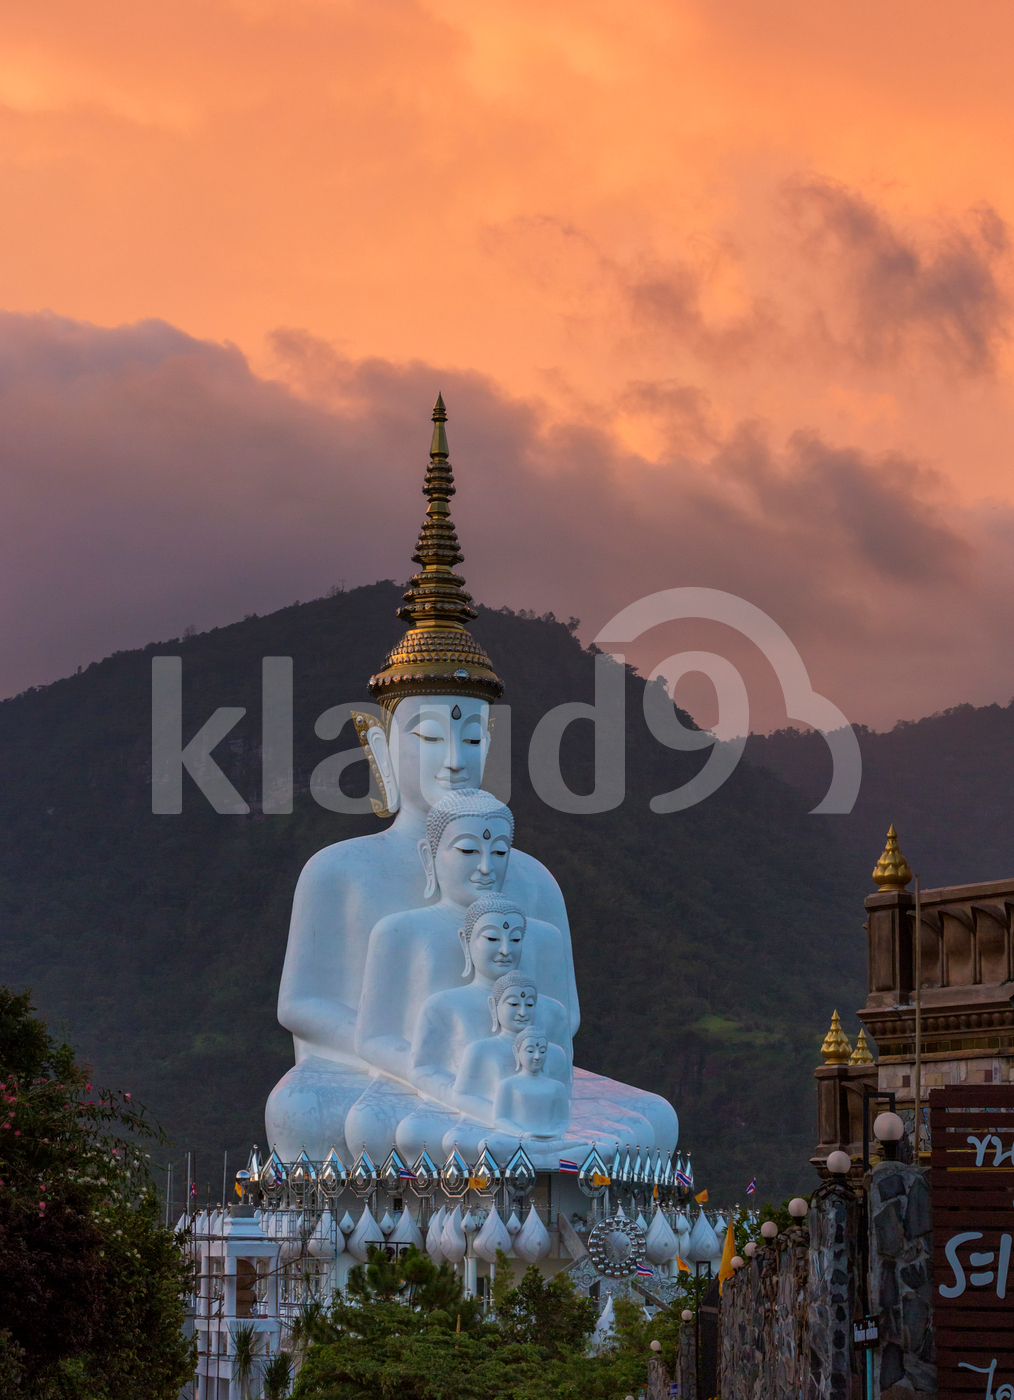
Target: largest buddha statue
(354,1082)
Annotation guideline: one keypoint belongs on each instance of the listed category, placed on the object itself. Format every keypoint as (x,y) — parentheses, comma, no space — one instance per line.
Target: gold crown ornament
(861,1054)
(836,1048)
(891,871)
(437,655)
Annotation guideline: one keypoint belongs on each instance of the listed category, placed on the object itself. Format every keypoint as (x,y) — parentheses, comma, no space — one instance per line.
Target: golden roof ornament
(891,871)
(836,1048)
(861,1054)
(437,655)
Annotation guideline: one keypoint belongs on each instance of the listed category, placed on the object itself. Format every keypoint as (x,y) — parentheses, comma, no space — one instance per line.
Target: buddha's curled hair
(490,904)
(466,802)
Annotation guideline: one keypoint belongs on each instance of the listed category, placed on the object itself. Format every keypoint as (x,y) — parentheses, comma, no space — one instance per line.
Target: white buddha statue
(457,1057)
(530,1102)
(434,694)
(416,954)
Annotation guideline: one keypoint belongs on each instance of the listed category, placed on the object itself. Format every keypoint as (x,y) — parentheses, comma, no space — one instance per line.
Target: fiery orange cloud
(736,247)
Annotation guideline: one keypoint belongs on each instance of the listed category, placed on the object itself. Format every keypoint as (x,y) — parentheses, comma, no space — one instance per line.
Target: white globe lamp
(889,1130)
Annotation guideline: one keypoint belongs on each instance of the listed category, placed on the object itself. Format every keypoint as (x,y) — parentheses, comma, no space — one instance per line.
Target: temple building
(965,961)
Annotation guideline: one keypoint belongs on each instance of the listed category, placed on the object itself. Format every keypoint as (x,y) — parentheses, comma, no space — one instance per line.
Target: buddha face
(495,946)
(530,1055)
(437,745)
(471,859)
(516,1009)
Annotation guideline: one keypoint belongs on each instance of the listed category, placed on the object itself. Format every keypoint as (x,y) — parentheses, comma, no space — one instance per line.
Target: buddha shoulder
(353,861)
(408,924)
(525,869)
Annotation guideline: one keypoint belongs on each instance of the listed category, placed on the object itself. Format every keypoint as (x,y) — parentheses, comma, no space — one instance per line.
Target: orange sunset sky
(717,294)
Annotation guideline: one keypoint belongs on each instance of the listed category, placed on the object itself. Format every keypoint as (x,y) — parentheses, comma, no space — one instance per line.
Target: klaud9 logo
(472,741)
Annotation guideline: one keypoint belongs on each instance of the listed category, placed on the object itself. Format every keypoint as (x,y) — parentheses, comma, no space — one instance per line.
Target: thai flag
(644,1272)
(752,1187)
(683,1179)
(570,1167)
(406,1175)
(193,1190)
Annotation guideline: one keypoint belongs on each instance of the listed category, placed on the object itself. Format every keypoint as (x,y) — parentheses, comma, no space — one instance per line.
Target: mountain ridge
(711,946)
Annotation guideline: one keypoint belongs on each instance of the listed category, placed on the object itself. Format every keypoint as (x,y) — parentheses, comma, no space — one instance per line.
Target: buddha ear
(381,750)
(378,751)
(429,865)
(487,739)
(492,1012)
(466,948)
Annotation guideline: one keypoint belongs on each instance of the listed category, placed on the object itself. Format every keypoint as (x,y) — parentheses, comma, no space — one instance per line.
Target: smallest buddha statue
(529,1102)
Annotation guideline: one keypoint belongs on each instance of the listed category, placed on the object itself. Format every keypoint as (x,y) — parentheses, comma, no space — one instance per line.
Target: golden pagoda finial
(836,1048)
(438,446)
(891,871)
(861,1054)
(437,655)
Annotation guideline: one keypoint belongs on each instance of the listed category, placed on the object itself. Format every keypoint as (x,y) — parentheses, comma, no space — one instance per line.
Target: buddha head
(492,937)
(436,686)
(530,1050)
(512,1003)
(466,847)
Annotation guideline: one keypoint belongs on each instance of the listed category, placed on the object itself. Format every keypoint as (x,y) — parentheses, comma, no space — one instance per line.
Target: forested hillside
(711,945)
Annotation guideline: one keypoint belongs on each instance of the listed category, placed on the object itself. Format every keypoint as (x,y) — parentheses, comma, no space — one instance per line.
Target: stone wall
(686,1370)
(786,1323)
(901,1282)
(834,1219)
(785,1329)
(763,1332)
(659,1379)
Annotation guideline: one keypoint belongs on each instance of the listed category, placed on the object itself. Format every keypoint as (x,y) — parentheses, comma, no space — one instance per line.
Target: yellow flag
(681,1267)
(725,1269)
(599,1180)
(239,1190)
(478,1183)
(702,1197)
(654,1192)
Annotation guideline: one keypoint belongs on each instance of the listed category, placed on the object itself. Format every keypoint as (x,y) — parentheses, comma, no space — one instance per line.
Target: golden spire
(836,1048)
(436,598)
(891,871)
(437,655)
(861,1054)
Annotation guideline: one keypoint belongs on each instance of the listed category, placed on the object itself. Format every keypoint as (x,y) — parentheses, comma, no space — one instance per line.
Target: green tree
(551,1314)
(407,1330)
(245,1340)
(278,1376)
(94,1284)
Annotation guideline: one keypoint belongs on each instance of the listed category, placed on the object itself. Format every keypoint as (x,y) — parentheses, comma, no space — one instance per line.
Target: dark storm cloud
(943,291)
(149,481)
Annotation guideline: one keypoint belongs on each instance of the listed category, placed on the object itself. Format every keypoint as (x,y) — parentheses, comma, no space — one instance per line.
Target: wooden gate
(972,1181)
